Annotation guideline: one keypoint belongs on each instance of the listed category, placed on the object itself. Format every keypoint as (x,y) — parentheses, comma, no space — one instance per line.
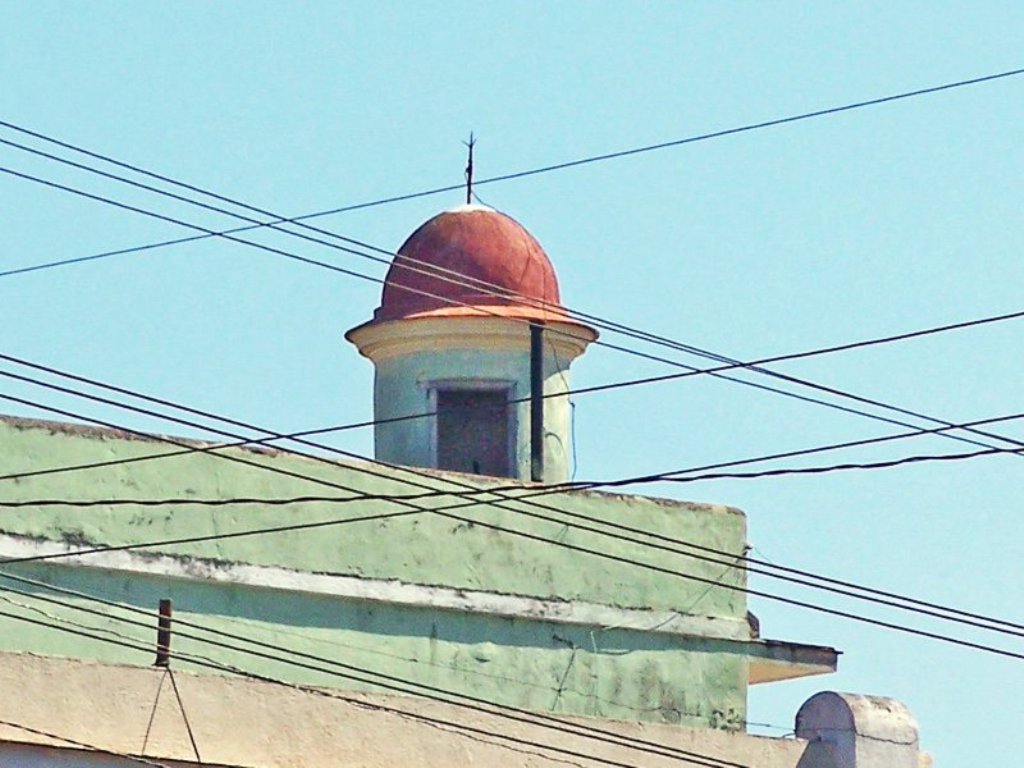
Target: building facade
(394,611)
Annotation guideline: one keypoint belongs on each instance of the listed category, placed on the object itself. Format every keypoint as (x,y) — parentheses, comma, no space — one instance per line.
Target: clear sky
(893,218)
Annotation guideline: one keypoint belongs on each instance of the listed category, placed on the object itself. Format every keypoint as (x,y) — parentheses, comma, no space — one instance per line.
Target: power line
(444,512)
(185,502)
(209,664)
(296,437)
(686,576)
(651,338)
(516,174)
(690,369)
(404,262)
(323,264)
(399,685)
(391,682)
(473,491)
(452,276)
(750,127)
(211,449)
(82,744)
(311,261)
(468,489)
(603,387)
(1000,438)
(670,476)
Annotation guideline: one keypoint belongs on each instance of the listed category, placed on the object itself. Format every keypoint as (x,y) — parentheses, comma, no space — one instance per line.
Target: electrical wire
(297,437)
(220,667)
(474,490)
(353,273)
(395,683)
(470,671)
(452,276)
(445,512)
(507,176)
(690,369)
(657,146)
(432,268)
(503,292)
(359,275)
(468,489)
(82,744)
(185,502)
(778,358)
(318,263)
(405,262)
(592,485)
(387,682)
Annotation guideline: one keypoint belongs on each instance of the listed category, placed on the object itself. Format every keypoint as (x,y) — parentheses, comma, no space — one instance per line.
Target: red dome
(471,260)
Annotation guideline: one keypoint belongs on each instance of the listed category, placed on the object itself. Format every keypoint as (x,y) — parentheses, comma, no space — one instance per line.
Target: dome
(471,261)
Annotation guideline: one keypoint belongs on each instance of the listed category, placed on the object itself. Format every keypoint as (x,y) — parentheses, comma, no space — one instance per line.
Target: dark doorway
(472,431)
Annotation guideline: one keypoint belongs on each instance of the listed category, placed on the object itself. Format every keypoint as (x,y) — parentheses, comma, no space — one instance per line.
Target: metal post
(163,635)
(537,402)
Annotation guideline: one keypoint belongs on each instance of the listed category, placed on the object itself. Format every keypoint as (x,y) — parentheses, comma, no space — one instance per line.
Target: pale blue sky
(897,217)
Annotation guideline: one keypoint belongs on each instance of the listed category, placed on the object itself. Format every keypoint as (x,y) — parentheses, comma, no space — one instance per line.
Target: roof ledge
(774,660)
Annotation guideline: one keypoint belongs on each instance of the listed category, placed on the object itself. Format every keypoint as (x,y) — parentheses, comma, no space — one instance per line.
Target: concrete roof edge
(773,660)
(86,430)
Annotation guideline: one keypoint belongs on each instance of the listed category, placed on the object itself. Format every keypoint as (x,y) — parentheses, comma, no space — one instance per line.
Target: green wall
(612,673)
(537,665)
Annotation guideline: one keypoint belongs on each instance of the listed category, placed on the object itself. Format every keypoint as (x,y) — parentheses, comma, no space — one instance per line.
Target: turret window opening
(473,427)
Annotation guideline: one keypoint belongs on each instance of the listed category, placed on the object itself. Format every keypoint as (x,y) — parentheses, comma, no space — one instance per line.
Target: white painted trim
(386,591)
(395,338)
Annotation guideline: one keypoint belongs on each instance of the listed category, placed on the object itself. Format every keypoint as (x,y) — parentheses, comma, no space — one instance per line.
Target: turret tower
(451,347)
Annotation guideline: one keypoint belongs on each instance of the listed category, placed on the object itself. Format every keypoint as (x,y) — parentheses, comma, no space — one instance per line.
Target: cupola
(451,348)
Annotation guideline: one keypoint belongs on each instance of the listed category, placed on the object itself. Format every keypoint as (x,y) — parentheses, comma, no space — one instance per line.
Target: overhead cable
(516,174)
(494,710)
(755,366)
(412,508)
(352,672)
(81,744)
(473,491)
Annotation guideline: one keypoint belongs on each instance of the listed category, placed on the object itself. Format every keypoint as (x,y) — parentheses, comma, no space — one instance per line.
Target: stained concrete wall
(862,731)
(420,548)
(402,388)
(602,672)
(593,670)
(250,724)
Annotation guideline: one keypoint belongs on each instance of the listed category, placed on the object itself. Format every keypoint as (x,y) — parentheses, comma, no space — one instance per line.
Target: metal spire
(469,168)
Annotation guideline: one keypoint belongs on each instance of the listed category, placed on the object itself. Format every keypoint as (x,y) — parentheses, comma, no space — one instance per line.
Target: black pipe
(163,635)
(537,402)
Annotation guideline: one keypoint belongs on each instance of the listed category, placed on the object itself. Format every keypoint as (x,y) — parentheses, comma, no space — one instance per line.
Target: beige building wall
(240,722)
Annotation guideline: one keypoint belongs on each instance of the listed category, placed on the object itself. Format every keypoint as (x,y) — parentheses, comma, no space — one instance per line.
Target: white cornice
(379,341)
(383,591)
